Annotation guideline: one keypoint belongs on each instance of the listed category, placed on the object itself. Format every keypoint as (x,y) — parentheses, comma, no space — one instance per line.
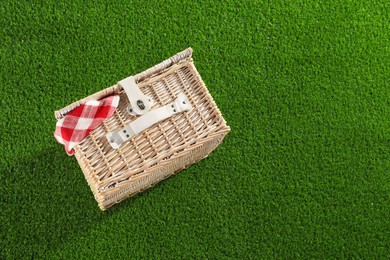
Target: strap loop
(139,103)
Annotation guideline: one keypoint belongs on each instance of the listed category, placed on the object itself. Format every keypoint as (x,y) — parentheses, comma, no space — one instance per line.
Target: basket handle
(175,59)
(117,138)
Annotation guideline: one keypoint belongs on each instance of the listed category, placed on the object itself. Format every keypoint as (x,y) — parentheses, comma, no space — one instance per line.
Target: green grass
(304,173)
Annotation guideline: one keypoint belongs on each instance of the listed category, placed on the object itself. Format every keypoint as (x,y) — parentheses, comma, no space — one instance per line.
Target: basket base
(155,174)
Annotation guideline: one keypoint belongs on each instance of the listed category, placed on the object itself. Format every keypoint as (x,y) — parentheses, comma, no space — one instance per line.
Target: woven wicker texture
(159,151)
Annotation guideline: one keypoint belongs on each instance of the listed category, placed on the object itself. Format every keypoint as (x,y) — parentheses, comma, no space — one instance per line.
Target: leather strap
(139,103)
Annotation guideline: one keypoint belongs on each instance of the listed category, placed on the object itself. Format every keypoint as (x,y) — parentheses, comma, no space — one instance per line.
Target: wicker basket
(159,151)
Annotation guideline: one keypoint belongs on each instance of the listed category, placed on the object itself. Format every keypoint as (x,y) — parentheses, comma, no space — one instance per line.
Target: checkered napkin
(78,123)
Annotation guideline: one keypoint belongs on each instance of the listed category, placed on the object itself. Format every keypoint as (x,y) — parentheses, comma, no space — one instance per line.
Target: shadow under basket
(162,149)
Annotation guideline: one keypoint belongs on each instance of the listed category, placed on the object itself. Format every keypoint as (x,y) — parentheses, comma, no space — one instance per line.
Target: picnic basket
(162,149)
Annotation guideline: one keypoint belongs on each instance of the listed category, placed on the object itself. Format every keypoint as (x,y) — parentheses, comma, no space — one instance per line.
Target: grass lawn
(304,173)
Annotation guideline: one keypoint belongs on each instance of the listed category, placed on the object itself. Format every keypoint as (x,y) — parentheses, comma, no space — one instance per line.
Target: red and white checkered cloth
(78,123)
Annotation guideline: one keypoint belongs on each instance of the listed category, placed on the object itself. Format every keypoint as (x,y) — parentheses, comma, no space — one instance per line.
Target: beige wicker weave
(163,149)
